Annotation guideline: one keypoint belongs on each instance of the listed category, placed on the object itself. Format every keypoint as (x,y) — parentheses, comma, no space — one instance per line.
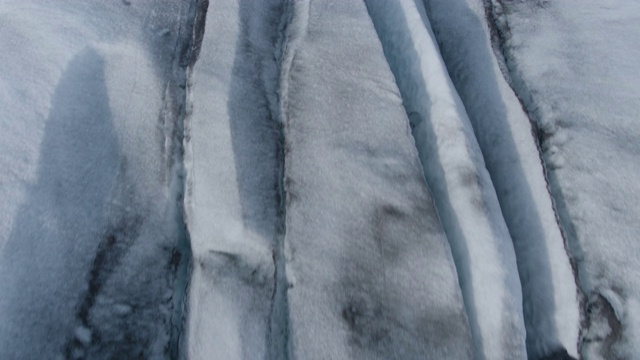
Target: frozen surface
(575,64)
(455,170)
(369,265)
(333,151)
(88,222)
(361,229)
(505,137)
(232,200)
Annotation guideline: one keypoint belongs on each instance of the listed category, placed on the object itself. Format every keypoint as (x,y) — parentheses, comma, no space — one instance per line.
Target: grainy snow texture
(575,64)
(319,179)
(369,265)
(89,224)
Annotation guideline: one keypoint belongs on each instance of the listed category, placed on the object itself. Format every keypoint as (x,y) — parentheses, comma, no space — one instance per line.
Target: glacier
(324,179)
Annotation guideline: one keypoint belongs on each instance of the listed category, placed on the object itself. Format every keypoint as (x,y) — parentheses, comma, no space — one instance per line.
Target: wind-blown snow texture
(324,179)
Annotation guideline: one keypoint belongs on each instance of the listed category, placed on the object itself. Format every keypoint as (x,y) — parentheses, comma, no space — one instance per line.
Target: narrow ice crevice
(187,50)
(289,28)
(455,171)
(504,133)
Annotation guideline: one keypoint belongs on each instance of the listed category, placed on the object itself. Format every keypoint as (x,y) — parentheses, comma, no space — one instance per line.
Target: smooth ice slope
(576,65)
(505,137)
(454,168)
(89,220)
(370,270)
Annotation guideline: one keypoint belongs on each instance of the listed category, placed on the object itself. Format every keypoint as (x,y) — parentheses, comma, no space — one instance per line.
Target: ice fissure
(187,55)
(279,317)
(499,29)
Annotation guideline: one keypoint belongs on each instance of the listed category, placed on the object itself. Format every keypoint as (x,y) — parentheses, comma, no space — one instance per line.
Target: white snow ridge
(319,179)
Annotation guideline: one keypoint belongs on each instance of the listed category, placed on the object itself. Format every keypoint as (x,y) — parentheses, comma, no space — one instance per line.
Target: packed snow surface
(323,179)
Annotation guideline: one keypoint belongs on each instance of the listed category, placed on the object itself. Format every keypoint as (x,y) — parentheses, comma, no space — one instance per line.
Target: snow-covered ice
(455,170)
(339,295)
(575,64)
(369,265)
(232,198)
(505,137)
(325,179)
(89,190)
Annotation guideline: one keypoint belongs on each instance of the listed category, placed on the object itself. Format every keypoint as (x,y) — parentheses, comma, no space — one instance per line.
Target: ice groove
(454,170)
(512,156)
(500,33)
(187,57)
(279,322)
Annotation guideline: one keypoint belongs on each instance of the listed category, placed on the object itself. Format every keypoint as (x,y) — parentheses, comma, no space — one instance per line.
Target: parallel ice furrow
(574,65)
(503,131)
(234,205)
(455,171)
(370,271)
